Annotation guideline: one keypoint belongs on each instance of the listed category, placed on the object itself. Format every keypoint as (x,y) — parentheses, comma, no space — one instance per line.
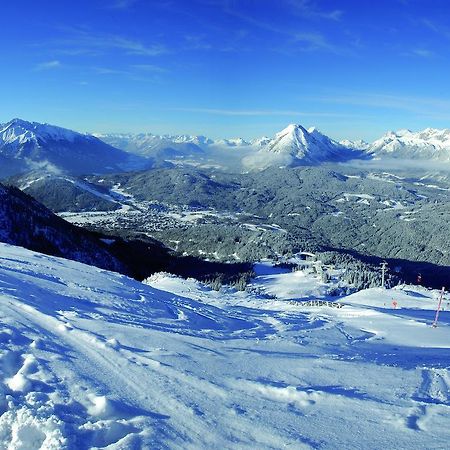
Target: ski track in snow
(92,359)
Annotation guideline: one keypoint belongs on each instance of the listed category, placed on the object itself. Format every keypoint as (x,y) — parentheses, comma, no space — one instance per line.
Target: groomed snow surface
(92,359)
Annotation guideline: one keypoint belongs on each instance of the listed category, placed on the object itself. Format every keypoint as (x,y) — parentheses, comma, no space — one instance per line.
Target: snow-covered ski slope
(92,359)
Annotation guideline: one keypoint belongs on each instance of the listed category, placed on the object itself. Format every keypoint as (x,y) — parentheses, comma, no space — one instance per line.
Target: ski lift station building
(307,256)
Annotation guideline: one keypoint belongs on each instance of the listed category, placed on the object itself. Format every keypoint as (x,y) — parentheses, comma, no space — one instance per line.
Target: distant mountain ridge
(292,146)
(429,144)
(359,144)
(31,145)
(307,145)
(26,146)
(147,143)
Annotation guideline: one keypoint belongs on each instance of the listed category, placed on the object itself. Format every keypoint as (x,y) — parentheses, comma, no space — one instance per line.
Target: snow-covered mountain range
(429,144)
(31,145)
(359,144)
(147,144)
(294,145)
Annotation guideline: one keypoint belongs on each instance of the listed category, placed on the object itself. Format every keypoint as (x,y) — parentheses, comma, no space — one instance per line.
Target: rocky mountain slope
(27,223)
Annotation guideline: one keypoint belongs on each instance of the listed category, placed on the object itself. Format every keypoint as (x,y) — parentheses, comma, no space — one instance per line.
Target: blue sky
(225,68)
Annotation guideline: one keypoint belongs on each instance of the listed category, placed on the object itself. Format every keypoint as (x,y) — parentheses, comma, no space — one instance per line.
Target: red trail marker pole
(438,308)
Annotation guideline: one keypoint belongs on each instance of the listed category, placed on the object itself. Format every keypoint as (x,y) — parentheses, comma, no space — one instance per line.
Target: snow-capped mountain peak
(15,131)
(318,135)
(32,145)
(313,131)
(302,144)
(403,132)
(233,142)
(20,131)
(292,130)
(355,145)
(292,139)
(260,142)
(296,145)
(188,139)
(428,144)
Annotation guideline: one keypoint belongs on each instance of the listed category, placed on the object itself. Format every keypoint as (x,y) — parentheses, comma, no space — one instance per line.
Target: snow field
(93,359)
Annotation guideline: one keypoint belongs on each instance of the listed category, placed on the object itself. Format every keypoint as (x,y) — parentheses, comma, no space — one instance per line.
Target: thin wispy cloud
(309,40)
(430,107)
(315,41)
(109,71)
(137,72)
(84,41)
(151,68)
(423,53)
(258,112)
(437,28)
(197,42)
(122,4)
(48,65)
(130,46)
(310,9)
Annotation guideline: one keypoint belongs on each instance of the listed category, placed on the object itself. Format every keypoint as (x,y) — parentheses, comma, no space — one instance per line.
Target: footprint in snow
(433,392)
